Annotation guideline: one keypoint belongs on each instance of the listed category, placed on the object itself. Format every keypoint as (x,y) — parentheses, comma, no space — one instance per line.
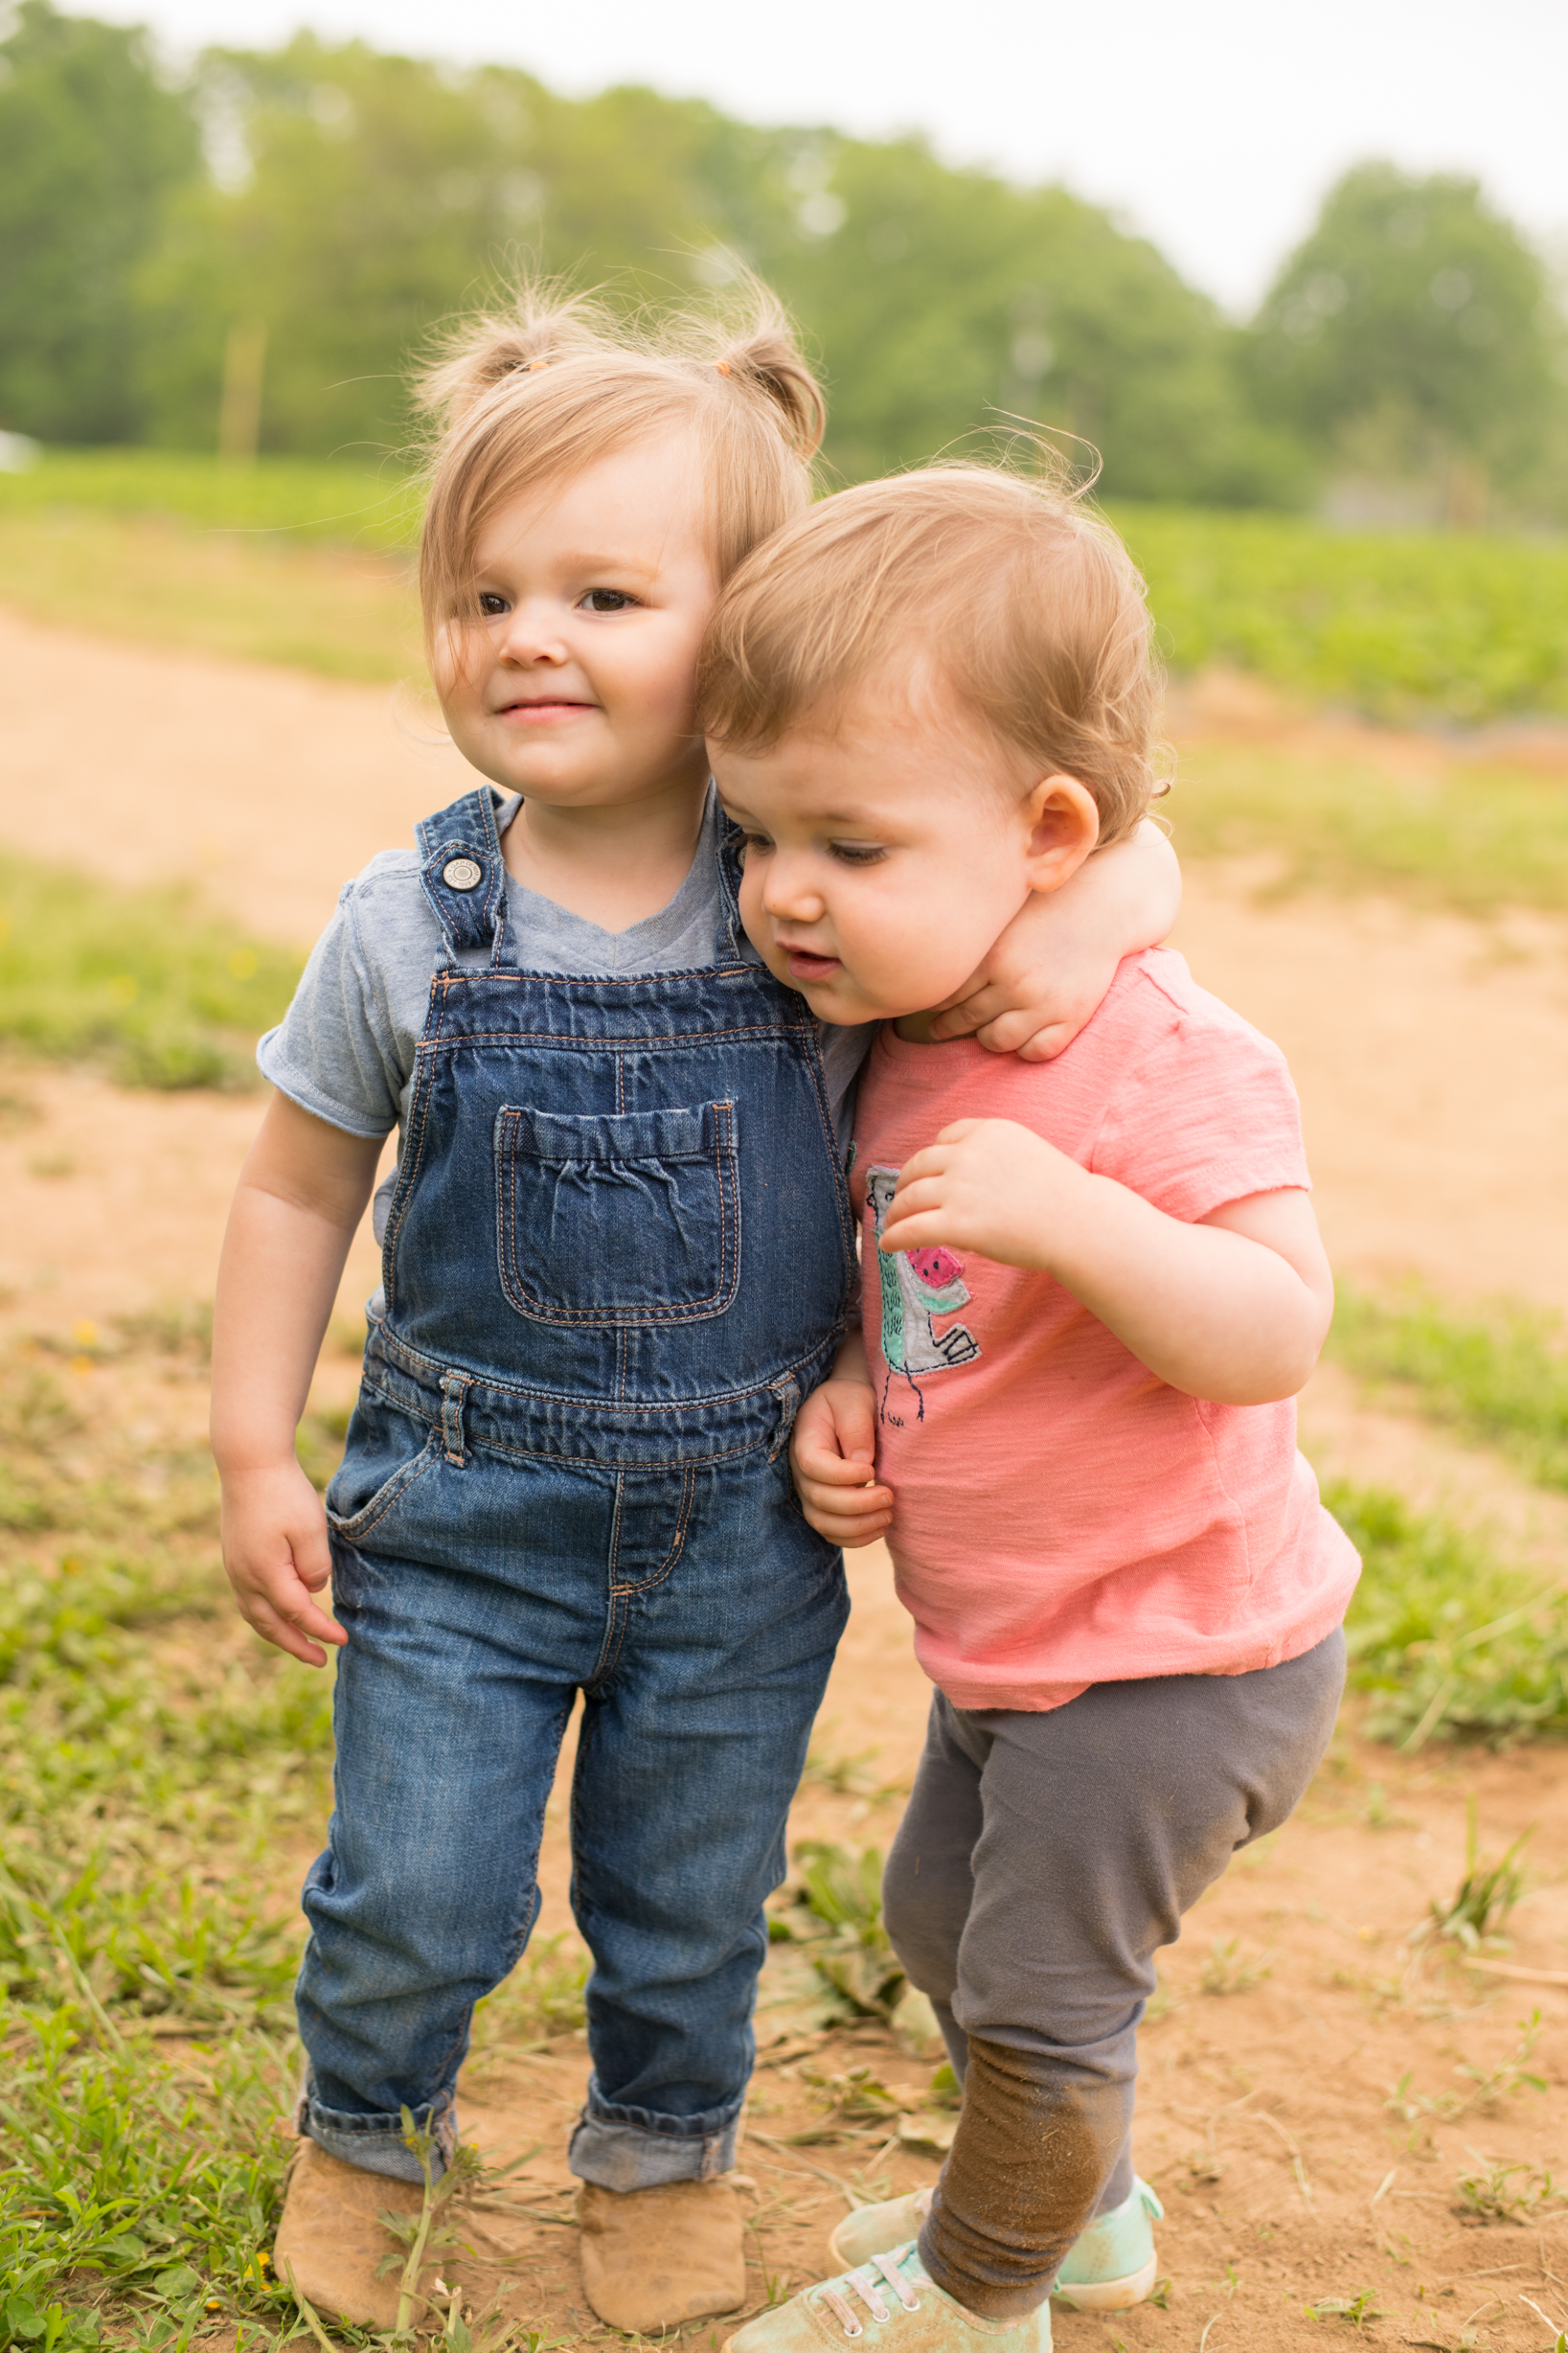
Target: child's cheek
(757,930)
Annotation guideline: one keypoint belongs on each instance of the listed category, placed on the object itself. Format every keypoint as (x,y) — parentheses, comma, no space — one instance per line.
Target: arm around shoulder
(1048,973)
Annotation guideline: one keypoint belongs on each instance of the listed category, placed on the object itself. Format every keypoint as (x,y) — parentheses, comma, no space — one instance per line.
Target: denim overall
(619,1254)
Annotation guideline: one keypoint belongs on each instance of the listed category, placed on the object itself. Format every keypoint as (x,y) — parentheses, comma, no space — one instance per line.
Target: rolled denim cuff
(377,2144)
(625,2157)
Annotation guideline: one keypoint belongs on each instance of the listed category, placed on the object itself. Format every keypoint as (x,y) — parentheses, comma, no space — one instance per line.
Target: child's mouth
(539,714)
(804,965)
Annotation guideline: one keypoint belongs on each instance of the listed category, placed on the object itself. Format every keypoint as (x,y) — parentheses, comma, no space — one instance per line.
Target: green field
(1474,835)
(1453,627)
(294,499)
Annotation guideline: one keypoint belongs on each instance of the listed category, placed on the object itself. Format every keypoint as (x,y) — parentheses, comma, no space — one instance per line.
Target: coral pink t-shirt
(1061,1518)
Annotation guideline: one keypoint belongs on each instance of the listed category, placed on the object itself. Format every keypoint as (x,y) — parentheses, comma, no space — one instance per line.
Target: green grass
(152,1758)
(1470,835)
(136,982)
(1498,1374)
(1449,1641)
(294,499)
(160,1772)
(287,562)
(162,584)
(1400,625)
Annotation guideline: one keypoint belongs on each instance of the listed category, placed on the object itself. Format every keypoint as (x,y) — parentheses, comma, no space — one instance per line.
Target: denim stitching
(454,1387)
(408,1165)
(667,1564)
(385,1496)
(583,1462)
(414,1365)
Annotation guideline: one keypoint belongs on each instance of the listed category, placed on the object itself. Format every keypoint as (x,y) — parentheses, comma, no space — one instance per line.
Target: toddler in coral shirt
(1092,1289)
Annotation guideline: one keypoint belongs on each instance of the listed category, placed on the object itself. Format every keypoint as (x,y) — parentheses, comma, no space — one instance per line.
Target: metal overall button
(463,873)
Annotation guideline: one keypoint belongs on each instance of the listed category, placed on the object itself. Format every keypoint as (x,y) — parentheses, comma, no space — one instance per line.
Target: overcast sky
(1212,126)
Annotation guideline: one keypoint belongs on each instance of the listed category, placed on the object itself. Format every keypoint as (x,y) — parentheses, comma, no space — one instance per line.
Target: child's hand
(276,1553)
(988,1185)
(1053,963)
(833,1456)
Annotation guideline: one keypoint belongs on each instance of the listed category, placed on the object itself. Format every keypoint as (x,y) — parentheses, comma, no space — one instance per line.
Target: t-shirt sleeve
(1207,1115)
(335,1052)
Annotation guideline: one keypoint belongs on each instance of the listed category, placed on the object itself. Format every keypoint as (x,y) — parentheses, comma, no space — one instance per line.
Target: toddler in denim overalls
(618,1253)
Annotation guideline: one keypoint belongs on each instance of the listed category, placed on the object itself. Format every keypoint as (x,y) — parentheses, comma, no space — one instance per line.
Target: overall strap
(728,946)
(464,875)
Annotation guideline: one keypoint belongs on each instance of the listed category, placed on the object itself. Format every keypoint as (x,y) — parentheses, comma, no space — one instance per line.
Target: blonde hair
(555,383)
(1028,608)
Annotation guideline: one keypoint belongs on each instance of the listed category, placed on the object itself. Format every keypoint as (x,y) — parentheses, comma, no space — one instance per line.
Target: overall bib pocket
(618,1217)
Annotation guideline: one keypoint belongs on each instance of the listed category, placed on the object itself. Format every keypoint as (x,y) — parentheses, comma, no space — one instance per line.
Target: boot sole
(1108,2294)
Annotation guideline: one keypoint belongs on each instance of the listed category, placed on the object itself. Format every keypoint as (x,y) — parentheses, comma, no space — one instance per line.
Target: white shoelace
(869,2290)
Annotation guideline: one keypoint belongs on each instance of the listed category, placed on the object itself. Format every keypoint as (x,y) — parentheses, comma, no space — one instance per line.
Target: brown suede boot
(331,2239)
(652,2258)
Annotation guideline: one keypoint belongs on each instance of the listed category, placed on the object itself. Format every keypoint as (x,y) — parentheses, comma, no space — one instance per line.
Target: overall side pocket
(386,1451)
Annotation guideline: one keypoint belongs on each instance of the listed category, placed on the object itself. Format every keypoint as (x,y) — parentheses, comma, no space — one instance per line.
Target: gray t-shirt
(346,1047)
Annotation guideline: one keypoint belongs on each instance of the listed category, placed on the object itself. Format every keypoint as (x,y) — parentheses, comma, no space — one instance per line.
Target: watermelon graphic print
(918,1286)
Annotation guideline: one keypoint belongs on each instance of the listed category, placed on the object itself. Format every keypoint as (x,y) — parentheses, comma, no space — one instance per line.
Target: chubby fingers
(844,1514)
(969,1008)
(279,1606)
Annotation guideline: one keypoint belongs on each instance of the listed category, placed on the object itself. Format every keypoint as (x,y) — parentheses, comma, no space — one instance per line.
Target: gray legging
(1042,1861)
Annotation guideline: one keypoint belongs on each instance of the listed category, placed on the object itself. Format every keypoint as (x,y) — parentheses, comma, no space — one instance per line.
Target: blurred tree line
(251,253)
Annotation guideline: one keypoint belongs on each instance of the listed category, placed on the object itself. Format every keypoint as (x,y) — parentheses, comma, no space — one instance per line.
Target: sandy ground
(1434,1074)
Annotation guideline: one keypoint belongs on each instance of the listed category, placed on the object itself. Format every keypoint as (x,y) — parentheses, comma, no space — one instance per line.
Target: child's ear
(1064,827)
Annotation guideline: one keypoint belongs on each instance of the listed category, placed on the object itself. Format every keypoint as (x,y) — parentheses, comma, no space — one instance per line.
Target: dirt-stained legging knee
(1043,1861)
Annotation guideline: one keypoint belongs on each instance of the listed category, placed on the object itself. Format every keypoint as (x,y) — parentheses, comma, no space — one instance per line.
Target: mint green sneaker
(1109,2266)
(909,2312)
(1112,2263)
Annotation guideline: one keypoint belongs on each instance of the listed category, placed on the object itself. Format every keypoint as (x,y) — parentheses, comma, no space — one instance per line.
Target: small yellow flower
(86,1334)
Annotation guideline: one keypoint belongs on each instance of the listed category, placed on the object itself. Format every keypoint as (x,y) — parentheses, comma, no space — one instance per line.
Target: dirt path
(1435,1079)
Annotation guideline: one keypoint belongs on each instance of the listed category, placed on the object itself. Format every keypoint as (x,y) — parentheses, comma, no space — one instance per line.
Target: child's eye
(608,601)
(490,605)
(857,852)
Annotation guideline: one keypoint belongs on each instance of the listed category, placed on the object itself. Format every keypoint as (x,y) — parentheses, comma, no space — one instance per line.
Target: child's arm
(1233,1309)
(1056,960)
(833,1450)
(302,1194)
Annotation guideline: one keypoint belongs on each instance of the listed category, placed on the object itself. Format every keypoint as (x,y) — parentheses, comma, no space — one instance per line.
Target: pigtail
(469,361)
(759,349)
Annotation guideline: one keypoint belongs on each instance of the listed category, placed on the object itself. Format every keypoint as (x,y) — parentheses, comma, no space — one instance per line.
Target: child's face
(576,688)
(884,857)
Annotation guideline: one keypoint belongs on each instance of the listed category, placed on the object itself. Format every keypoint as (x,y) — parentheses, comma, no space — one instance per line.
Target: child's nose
(790,889)
(533,634)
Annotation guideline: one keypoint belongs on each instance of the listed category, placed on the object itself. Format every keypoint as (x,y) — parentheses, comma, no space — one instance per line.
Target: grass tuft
(1499,1374)
(136,982)
(1449,1641)
(1507,2194)
(1486,1895)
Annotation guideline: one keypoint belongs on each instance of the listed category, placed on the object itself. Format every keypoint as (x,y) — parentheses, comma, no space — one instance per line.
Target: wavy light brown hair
(1003,591)
(537,392)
